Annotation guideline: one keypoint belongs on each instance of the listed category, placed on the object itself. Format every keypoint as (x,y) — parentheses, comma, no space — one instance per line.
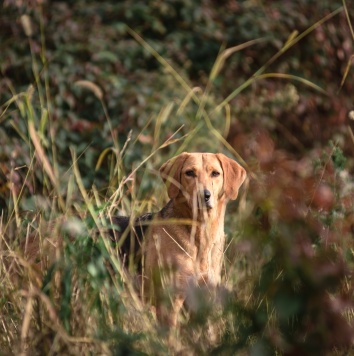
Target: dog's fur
(186,238)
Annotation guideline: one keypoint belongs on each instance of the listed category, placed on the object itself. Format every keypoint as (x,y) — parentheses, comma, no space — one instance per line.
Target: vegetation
(96,95)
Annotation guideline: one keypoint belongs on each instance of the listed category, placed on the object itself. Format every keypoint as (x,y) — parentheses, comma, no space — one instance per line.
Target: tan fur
(186,239)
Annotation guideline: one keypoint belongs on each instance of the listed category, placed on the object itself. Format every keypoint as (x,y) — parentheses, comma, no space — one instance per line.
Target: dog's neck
(207,224)
(205,231)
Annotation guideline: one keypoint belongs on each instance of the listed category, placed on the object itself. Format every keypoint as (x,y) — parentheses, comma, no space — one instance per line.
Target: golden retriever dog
(182,245)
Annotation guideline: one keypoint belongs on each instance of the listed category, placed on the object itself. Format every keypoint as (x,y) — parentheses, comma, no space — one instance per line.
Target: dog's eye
(215,174)
(190,173)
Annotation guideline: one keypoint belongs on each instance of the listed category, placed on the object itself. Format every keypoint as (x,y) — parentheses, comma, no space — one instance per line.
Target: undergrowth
(287,277)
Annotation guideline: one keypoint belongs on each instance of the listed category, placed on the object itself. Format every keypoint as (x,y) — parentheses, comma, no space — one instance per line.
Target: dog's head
(202,179)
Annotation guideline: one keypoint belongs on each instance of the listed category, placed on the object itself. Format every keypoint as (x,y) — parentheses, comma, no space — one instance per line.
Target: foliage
(95,95)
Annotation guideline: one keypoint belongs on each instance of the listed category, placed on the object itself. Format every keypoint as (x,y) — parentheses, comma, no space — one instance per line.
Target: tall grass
(287,263)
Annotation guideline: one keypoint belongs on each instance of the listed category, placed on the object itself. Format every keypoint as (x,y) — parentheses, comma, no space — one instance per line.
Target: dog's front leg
(167,313)
(170,296)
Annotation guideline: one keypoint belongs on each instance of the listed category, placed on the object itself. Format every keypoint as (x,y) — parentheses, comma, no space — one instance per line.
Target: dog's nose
(207,195)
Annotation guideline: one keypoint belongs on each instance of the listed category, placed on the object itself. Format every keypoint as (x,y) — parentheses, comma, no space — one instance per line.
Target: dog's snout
(207,195)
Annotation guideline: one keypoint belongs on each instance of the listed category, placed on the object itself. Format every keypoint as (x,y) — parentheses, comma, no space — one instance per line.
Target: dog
(185,240)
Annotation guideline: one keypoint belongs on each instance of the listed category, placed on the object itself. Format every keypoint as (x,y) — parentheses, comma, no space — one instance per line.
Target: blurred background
(89,40)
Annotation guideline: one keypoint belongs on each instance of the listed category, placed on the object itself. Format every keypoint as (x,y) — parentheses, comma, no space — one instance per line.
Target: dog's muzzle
(207,195)
(207,198)
(202,199)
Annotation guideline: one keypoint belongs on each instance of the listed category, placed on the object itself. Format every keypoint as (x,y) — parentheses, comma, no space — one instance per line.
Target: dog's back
(130,235)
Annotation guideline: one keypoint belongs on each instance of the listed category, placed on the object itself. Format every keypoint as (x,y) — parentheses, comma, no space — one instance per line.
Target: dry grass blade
(161,118)
(56,325)
(347,69)
(103,155)
(129,137)
(7,104)
(217,67)
(227,120)
(43,159)
(162,61)
(176,242)
(40,153)
(26,322)
(351,59)
(83,191)
(92,87)
(27,25)
(187,99)
(351,134)
(293,77)
(191,92)
(351,118)
(125,180)
(168,142)
(348,18)
(100,226)
(285,48)
(225,54)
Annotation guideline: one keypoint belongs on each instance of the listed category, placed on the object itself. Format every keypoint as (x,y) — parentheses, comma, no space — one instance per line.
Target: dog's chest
(205,239)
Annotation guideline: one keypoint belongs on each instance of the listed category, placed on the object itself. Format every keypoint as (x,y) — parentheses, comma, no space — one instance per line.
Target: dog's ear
(171,174)
(234,176)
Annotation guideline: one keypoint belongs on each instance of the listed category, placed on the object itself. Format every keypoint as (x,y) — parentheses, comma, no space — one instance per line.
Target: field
(96,95)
